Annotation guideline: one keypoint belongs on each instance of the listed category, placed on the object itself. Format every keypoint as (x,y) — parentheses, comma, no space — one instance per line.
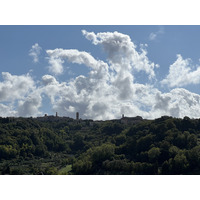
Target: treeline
(163,146)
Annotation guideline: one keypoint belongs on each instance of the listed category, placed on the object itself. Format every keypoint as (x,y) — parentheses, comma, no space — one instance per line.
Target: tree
(7,152)
(193,157)
(82,167)
(165,168)
(120,139)
(191,141)
(164,148)
(40,150)
(139,168)
(179,164)
(78,141)
(101,153)
(180,141)
(154,154)
(173,151)
(51,171)
(143,144)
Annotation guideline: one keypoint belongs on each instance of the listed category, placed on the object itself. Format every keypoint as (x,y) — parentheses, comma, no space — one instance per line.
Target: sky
(100,71)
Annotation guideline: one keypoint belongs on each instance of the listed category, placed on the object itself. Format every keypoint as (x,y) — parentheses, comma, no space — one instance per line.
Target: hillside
(134,146)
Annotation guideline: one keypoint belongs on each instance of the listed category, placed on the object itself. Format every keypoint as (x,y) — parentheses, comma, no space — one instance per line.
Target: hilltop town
(56,118)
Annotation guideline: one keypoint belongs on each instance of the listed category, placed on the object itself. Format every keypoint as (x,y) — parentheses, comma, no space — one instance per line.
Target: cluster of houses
(123,120)
(90,122)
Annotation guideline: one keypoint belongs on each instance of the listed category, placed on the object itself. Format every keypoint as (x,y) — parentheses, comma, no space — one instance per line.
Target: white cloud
(55,66)
(49,80)
(108,90)
(19,96)
(154,35)
(52,88)
(178,102)
(15,87)
(122,52)
(74,56)
(30,106)
(7,110)
(90,36)
(35,52)
(97,98)
(181,74)
(106,103)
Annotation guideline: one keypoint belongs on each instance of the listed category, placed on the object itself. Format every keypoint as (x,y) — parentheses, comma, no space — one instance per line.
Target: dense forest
(65,146)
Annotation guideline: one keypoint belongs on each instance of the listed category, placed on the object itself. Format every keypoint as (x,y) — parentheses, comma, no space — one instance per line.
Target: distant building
(131,120)
(48,118)
(77,116)
(56,114)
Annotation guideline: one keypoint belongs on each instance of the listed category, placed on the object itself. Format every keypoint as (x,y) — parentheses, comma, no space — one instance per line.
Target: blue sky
(102,72)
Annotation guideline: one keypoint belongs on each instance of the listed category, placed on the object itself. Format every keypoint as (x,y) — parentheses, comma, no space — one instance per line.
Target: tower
(122,115)
(77,116)
(56,114)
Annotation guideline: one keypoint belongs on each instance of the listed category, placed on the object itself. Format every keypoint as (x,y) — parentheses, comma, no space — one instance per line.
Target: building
(77,116)
(131,120)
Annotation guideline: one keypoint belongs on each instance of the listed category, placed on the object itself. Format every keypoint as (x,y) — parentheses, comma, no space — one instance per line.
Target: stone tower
(77,116)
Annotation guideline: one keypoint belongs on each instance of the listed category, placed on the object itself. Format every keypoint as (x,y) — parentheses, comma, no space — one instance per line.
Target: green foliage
(179,164)
(120,139)
(51,171)
(7,152)
(66,146)
(65,170)
(144,168)
(117,167)
(144,143)
(154,154)
(82,167)
(101,153)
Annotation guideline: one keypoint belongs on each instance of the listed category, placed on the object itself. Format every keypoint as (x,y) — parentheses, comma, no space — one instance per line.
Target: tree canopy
(162,146)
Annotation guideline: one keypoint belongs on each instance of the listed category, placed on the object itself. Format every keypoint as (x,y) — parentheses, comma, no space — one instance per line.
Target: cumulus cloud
(19,96)
(74,56)
(55,65)
(178,102)
(181,73)
(97,101)
(52,88)
(7,110)
(145,101)
(35,52)
(49,80)
(15,87)
(30,106)
(108,90)
(122,52)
